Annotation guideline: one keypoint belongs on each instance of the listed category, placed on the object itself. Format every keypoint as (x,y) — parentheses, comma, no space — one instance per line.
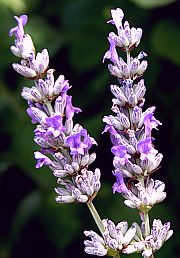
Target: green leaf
(165,40)
(152,3)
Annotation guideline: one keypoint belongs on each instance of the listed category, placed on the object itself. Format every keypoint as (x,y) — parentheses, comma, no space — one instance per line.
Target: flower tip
(22,18)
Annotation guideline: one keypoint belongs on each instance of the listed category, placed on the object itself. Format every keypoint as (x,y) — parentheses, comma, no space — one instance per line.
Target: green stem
(99,223)
(145,212)
(128,58)
(96,217)
(146,222)
(116,255)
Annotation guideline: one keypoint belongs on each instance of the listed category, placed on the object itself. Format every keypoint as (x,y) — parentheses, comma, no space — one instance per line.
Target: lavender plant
(65,147)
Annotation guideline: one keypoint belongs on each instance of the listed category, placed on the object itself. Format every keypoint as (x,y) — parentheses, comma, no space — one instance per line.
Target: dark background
(32,224)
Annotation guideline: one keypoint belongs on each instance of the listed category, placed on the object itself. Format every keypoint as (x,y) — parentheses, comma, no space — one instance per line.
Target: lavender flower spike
(135,157)
(65,146)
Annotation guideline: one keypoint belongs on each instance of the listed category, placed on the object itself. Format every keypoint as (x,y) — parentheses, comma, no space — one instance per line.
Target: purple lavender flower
(18,31)
(36,114)
(119,186)
(148,245)
(70,110)
(121,152)
(32,65)
(145,146)
(86,186)
(115,239)
(110,128)
(61,86)
(127,37)
(150,122)
(111,53)
(146,149)
(117,16)
(41,159)
(54,125)
(79,142)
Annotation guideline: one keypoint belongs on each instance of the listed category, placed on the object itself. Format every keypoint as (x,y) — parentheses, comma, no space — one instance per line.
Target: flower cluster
(115,238)
(121,239)
(135,157)
(64,145)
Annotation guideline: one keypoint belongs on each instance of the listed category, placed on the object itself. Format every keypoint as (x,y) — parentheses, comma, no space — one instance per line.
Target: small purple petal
(55,126)
(70,110)
(41,159)
(150,122)
(75,144)
(32,116)
(121,152)
(110,128)
(145,146)
(117,16)
(119,186)
(80,142)
(111,53)
(18,31)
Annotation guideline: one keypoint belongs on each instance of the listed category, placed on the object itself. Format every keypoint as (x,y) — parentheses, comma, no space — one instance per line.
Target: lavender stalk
(65,146)
(130,131)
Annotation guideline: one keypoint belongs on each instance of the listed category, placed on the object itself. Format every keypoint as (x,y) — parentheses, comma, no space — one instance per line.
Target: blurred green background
(75,32)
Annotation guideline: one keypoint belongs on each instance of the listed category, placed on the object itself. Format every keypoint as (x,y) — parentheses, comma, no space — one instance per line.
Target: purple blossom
(113,133)
(110,128)
(36,114)
(111,53)
(150,121)
(32,116)
(55,125)
(18,31)
(121,152)
(144,146)
(146,149)
(41,159)
(70,110)
(64,88)
(119,186)
(117,16)
(24,70)
(79,142)
(39,131)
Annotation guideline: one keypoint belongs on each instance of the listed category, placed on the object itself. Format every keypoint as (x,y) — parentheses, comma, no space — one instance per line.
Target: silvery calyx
(65,146)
